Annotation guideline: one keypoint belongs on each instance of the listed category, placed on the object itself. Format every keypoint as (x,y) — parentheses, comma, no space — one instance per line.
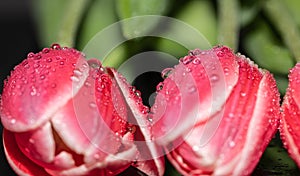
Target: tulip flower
(64,115)
(290,121)
(215,113)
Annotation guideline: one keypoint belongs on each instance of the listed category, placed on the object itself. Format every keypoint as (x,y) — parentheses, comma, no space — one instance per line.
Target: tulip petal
(34,87)
(38,145)
(17,160)
(290,121)
(79,121)
(240,133)
(195,90)
(150,159)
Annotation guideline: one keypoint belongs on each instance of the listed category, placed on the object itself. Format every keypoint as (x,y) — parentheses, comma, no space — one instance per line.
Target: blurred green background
(266,31)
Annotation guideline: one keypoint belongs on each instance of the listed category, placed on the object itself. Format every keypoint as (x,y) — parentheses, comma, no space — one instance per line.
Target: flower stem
(229,23)
(70,21)
(286,25)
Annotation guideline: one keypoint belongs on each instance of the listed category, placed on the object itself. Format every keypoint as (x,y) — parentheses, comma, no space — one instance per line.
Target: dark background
(17,39)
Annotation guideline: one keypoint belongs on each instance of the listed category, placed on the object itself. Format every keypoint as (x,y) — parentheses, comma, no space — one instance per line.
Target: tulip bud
(290,119)
(215,113)
(64,115)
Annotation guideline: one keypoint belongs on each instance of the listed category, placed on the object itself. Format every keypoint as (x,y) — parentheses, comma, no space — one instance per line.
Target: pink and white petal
(294,83)
(262,127)
(196,89)
(147,147)
(34,87)
(22,165)
(38,145)
(79,121)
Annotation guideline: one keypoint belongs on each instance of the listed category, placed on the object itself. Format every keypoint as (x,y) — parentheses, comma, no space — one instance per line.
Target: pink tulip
(215,113)
(65,116)
(290,121)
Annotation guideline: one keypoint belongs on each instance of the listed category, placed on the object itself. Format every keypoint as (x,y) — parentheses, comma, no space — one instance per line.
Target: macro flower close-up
(150,88)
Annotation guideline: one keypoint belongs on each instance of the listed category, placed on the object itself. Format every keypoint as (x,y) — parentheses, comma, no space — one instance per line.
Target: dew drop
(31,141)
(192,89)
(166,72)
(13,121)
(214,77)
(160,86)
(37,57)
(74,78)
(56,46)
(97,156)
(220,54)
(131,128)
(46,50)
(53,85)
(42,77)
(77,72)
(188,69)
(196,148)
(231,144)
(61,62)
(30,55)
(187,59)
(93,105)
(36,65)
(48,60)
(243,94)
(226,70)
(196,61)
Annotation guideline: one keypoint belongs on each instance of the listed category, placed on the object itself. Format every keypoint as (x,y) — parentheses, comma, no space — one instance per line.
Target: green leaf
(198,15)
(98,16)
(262,48)
(293,6)
(48,16)
(134,8)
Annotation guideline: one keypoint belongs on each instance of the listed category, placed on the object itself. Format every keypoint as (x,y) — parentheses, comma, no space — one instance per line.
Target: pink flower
(290,121)
(65,116)
(215,113)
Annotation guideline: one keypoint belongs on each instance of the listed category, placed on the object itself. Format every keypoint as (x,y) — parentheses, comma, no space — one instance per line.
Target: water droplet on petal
(13,121)
(160,86)
(243,94)
(214,77)
(192,89)
(31,141)
(196,61)
(231,144)
(166,72)
(30,55)
(220,54)
(37,57)
(56,46)
(49,60)
(93,105)
(42,77)
(77,72)
(74,78)
(187,59)
(46,50)
(61,62)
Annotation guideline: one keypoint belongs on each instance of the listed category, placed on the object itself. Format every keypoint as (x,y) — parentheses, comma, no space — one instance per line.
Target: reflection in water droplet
(166,72)
(160,86)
